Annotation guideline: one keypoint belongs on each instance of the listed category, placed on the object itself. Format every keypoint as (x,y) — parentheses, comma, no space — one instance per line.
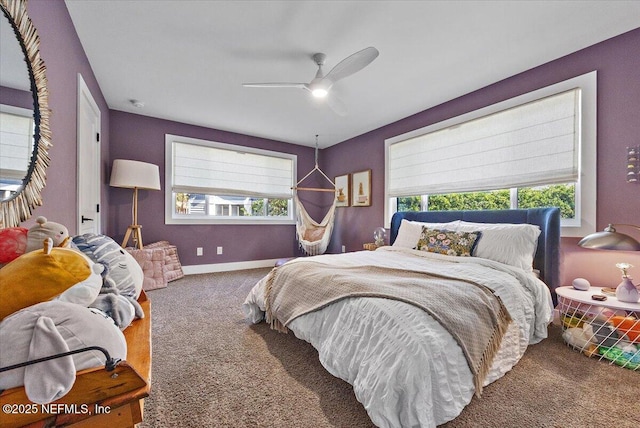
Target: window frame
(585,222)
(172,218)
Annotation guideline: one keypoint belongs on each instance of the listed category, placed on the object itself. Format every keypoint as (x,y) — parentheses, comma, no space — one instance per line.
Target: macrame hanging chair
(314,237)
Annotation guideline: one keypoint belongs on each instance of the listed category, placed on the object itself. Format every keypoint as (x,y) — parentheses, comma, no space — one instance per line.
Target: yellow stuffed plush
(48,274)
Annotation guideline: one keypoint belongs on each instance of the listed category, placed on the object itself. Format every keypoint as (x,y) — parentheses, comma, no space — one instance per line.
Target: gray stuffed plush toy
(121,280)
(50,328)
(121,269)
(121,308)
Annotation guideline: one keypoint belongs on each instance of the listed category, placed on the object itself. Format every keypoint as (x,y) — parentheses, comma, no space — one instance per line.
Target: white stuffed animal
(47,229)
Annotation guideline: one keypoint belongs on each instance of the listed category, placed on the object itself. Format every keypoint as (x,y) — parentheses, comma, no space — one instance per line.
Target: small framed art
(361,189)
(342,190)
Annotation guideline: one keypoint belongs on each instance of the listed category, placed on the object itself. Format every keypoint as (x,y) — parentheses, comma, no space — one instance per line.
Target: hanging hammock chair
(314,237)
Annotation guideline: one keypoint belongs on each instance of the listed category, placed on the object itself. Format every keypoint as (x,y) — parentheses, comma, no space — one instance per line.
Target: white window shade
(532,144)
(221,171)
(16,136)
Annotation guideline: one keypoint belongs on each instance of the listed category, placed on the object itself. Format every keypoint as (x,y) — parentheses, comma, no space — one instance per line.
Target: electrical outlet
(344,249)
(219,250)
(199,251)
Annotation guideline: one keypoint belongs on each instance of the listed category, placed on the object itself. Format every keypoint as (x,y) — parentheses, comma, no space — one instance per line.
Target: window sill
(229,221)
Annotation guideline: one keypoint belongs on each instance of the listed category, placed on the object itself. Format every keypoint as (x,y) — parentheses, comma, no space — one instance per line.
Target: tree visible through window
(269,207)
(557,195)
(496,200)
(562,196)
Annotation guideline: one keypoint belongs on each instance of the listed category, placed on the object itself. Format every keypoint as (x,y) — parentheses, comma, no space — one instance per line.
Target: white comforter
(405,368)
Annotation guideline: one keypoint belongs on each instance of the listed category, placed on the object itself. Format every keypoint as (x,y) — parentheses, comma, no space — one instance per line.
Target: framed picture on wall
(361,189)
(342,190)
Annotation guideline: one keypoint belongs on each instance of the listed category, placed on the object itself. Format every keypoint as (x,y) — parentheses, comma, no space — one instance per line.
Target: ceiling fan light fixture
(319,92)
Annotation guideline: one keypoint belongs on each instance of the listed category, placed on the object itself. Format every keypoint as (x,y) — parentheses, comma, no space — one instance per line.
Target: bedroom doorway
(88,149)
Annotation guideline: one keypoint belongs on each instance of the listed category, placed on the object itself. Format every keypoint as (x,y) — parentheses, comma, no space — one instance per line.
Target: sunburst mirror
(25,136)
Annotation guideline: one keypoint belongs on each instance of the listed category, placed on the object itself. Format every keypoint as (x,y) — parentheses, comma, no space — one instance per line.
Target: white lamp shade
(135,174)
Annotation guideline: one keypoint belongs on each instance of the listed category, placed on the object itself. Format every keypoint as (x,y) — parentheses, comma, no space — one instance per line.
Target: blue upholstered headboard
(547,259)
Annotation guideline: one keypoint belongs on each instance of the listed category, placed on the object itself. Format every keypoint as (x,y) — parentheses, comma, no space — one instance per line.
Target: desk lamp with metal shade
(134,175)
(610,239)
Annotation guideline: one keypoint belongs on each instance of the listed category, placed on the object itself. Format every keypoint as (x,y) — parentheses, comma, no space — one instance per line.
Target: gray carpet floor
(211,368)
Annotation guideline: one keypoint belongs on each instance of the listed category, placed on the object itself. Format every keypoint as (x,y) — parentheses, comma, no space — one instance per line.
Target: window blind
(219,171)
(16,134)
(535,143)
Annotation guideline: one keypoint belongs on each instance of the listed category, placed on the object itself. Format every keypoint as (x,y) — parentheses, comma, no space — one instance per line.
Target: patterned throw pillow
(448,242)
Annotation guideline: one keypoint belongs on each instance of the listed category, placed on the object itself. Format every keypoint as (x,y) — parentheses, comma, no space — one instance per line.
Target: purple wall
(143,138)
(617,62)
(64,58)
(16,98)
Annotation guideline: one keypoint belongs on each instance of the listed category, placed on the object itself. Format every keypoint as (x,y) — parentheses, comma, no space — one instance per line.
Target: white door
(88,161)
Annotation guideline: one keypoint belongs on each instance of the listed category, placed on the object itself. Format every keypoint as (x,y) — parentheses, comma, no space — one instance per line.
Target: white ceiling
(187,60)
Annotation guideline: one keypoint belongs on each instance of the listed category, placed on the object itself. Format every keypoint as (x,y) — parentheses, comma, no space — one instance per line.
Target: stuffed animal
(46,274)
(122,272)
(13,243)
(630,326)
(576,337)
(601,333)
(122,309)
(47,229)
(626,357)
(51,328)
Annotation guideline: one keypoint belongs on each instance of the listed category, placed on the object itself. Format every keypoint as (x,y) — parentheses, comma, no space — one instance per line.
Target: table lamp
(610,239)
(134,175)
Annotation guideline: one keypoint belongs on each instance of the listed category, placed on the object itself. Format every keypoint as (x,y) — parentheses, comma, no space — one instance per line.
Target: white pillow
(410,231)
(511,244)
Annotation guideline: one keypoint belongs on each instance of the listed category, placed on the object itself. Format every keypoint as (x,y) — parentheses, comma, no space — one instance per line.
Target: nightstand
(608,330)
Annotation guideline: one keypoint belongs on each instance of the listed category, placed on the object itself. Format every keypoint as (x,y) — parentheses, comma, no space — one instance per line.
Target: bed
(407,355)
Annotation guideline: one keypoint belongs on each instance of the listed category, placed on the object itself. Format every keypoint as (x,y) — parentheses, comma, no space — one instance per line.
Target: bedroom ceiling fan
(319,87)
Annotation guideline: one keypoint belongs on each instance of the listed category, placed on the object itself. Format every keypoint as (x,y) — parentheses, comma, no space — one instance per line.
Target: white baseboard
(226,267)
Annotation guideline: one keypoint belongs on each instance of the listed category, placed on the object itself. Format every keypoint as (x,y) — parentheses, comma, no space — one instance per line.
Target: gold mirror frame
(19,207)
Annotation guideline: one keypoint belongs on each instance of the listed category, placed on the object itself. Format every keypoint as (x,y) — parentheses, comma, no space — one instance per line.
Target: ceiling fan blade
(336,104)
(276,85)
(352,64)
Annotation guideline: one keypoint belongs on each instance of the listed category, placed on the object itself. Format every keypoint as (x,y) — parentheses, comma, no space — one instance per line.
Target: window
(16,146)
(534,150)
(210,182)
(555,195)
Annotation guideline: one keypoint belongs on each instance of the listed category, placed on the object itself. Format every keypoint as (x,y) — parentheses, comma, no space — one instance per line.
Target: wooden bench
(98,398)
